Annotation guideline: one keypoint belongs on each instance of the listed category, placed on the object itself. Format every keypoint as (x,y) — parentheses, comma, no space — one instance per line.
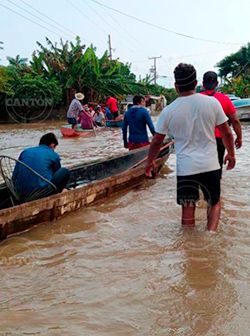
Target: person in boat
(85,118)
(45,161)
(137,118)
(210,83)
(191,120)
(75,108)
(91,111)
(112,104)
(99,117)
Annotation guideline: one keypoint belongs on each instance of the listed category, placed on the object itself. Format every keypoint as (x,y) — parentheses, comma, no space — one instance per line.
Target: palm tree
(17,61)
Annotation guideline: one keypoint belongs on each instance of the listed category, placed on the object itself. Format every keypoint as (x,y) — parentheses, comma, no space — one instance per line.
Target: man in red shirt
(210,82)
(112,104)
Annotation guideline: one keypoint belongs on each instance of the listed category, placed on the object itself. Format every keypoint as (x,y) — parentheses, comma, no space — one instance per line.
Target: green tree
(240,86)
(32,97)
(236,64)
(235,71)
(82,70)
(17,61)
(5,81)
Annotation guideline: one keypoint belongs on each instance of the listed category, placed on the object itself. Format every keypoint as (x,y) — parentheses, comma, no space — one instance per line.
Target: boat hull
(24,216)
(243,113)
(114,123)
(68,132)
(242,108)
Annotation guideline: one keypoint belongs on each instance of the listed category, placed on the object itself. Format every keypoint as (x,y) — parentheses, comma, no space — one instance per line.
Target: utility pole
(153,69)
(110,49)
(1,48)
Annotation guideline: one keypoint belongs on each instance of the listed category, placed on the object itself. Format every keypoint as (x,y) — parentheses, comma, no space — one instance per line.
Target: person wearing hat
(75,108)
(210,83)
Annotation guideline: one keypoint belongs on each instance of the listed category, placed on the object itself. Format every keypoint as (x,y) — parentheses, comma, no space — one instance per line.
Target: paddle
(93,127)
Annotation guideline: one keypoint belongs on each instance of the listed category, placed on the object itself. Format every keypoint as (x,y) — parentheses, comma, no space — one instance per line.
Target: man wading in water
(191,120)
(210,83)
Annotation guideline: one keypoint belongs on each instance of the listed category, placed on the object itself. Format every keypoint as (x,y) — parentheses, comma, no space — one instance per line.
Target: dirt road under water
(125,266)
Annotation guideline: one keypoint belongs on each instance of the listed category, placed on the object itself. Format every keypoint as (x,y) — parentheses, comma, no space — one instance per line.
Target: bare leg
(213,216)
(74,127)
(188,213)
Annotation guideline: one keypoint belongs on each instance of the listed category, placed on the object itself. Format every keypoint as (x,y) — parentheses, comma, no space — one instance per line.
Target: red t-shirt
(112,104)
(226,104)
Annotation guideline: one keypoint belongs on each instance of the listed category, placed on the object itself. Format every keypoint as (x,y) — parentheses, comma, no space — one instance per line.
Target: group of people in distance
(88,117)
(198,122)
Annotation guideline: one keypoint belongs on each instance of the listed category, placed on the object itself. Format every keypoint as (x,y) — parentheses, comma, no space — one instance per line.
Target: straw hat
(79,96)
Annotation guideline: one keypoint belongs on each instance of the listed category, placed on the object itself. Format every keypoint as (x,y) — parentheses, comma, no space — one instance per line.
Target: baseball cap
(210,79)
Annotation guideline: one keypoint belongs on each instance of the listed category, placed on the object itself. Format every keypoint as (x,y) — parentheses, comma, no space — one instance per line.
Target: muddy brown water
(125,266)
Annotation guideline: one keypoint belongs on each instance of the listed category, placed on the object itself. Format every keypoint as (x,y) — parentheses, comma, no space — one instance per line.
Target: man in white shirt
(191,120)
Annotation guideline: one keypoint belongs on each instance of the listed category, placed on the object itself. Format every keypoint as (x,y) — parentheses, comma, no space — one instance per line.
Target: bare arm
(153,152)
(237,129)
(228,141)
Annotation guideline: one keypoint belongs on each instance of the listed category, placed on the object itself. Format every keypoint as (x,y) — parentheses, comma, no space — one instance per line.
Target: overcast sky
(224,21)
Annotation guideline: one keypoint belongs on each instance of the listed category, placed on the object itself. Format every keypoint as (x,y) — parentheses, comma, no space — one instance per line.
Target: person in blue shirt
(46,162)
(108,114)
(137,118)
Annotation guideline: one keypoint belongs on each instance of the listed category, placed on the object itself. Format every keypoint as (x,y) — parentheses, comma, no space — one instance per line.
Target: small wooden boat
(114,123)
(88,184)
(243,108)
(68,132)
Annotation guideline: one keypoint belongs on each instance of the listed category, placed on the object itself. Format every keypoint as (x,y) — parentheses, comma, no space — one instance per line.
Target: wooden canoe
(88,184)
(68,132)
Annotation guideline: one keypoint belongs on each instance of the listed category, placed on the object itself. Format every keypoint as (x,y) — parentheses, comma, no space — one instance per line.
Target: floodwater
(125,266)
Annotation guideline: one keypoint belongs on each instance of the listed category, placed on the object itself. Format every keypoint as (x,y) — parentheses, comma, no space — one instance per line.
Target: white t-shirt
(99,117)
(191,121)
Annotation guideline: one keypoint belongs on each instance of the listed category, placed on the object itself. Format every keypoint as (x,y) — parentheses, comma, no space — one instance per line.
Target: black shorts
(188,187)
(72,121)
(114,115)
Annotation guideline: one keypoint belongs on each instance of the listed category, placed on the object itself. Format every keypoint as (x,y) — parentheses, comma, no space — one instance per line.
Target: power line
(118,25)
(78,9)
(25,17)
(43,14)
(37,17)
(162,28)
(122,28)
(108,24)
